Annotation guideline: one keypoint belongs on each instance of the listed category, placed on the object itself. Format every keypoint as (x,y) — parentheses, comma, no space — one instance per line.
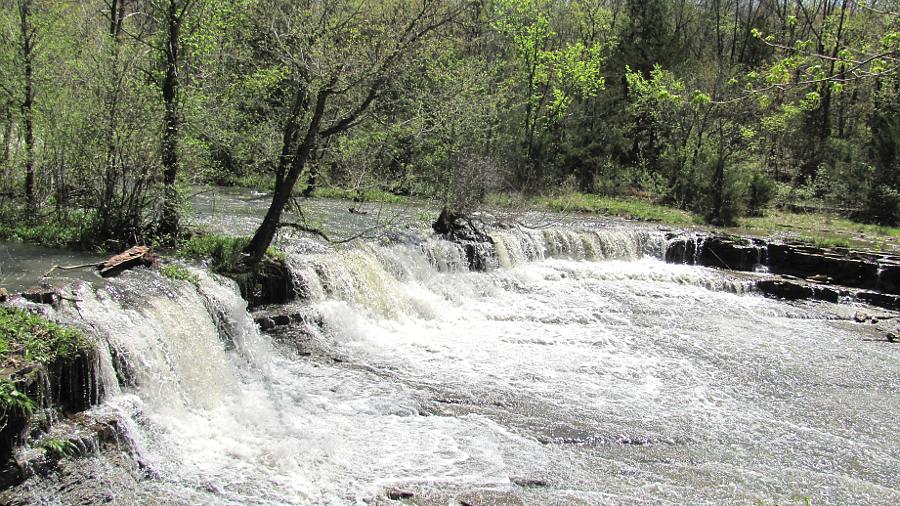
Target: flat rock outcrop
(804,271)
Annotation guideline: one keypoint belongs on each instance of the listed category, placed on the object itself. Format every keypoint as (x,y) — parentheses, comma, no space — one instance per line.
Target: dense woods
(111,110)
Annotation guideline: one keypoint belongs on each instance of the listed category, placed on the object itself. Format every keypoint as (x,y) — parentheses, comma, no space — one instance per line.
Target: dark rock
(889,278)
(281,320)
(397,494)
(528,482)
(724,252)
(838,266)
(461,229)
(827,293)
(265,323)
(267,282)
(784,289)
(41,295)
(885,300)
(891,337)
(733,253)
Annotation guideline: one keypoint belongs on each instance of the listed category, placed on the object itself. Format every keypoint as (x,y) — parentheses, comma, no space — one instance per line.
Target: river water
(582,369)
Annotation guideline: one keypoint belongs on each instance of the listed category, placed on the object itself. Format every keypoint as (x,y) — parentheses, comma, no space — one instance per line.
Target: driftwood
(138,256)
(135,257)
(69,268)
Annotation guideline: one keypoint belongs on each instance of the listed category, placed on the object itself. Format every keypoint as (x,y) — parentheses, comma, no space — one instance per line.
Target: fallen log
(138,256)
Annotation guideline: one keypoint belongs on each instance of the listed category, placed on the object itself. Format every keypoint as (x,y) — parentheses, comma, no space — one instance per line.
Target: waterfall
(519,245)
(576,355)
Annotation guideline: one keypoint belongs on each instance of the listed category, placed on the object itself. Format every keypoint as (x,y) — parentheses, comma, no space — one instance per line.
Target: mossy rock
(44,366)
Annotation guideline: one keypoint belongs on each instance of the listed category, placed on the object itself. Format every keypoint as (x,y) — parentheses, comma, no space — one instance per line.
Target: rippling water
(574,373)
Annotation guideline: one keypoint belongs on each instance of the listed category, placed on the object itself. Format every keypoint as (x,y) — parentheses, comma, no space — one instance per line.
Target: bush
(761,191)
(882,206)
(221,251)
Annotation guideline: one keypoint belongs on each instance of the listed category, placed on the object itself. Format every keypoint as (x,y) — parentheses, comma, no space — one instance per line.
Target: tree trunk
(28,102)
(170,88)
(108,207)
(264,235)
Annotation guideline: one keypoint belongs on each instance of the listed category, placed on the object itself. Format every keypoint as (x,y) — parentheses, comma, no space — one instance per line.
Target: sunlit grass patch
(631,208)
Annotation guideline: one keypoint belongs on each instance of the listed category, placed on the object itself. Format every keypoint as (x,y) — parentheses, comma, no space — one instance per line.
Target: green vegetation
(800,500)
(276,254)
(723,110)
(26,338)
(224,254)
(631,208)
(821,229)
(57,229)
(29,337)
(12,400)
(177,272)
(58,448)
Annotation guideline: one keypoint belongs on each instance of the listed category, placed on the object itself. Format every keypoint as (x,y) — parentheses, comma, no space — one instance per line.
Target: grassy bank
(56,230)
(822,230)
(27,340)
(818,229)
(629,208)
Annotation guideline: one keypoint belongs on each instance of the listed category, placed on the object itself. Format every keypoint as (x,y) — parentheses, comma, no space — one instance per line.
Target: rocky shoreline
(797,271)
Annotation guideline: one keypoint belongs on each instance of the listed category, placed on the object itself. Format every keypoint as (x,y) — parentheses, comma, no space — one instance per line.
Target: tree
(552,73)
(339,58)
(169,18)
(27,40)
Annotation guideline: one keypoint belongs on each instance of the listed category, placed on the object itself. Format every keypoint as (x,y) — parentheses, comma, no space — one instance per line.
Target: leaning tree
(337,59)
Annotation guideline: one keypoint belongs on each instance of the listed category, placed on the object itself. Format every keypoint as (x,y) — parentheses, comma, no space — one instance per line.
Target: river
(581,369)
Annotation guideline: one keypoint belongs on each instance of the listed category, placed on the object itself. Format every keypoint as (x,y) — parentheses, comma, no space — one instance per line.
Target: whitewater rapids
(581,370)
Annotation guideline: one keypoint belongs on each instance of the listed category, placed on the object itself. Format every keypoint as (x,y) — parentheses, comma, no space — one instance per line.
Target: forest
(113,111)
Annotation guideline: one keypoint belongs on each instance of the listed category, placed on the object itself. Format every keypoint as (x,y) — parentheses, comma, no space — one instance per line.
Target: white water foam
(621,381)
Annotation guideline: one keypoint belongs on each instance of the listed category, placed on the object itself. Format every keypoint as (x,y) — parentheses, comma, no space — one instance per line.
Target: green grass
(825,242)
(261,182)
(631,208)
(26,338)
(276,254)
(222,252)
(506,200)
(177,272)
(30,337)
(47,234)
(821,229)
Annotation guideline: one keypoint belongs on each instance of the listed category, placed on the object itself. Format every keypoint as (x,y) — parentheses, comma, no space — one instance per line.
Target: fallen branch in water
(315,231)
(71,268)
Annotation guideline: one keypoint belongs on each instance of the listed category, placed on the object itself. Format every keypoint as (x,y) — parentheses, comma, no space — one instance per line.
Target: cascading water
(581,369)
